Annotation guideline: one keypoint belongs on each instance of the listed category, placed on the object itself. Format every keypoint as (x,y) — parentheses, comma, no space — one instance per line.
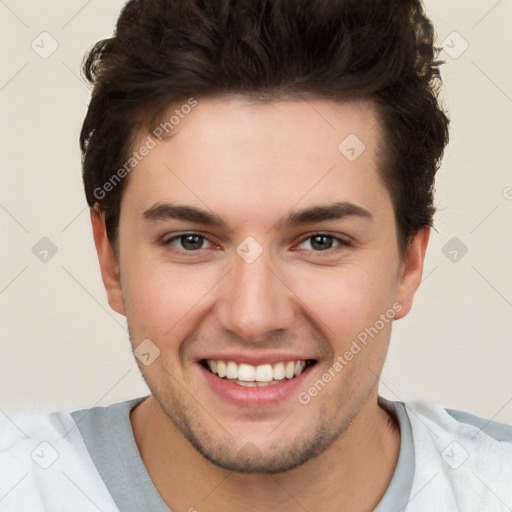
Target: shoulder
(494,429)
(463,459)
(471,430)
(44,465)
(97,420)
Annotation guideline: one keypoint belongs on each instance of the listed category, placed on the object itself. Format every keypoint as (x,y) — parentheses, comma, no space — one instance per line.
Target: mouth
(260,376)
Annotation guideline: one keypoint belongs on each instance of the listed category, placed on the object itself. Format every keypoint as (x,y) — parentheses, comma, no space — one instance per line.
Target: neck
(351,475)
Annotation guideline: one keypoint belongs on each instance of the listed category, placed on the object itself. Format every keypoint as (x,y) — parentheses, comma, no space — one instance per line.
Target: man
(260,177)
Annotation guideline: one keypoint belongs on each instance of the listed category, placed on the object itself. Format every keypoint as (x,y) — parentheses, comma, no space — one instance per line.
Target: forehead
(229,151)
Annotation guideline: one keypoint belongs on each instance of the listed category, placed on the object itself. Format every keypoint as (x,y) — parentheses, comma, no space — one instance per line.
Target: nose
(255,303)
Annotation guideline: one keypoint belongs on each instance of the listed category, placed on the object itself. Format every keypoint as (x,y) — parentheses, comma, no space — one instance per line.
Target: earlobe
(108,262)
(412,271)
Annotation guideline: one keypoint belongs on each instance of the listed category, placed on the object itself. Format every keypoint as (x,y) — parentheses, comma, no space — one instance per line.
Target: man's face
(249,237)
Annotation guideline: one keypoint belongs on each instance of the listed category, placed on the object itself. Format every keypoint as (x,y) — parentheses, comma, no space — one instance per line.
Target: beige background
(61,345)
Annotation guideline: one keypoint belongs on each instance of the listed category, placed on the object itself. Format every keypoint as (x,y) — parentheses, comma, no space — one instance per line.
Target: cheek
(346,300)
(163,300)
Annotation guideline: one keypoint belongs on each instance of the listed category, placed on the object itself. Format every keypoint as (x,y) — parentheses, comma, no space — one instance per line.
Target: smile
(263,375)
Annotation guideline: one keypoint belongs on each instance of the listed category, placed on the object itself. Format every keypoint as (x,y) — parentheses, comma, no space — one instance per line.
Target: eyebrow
(334,211)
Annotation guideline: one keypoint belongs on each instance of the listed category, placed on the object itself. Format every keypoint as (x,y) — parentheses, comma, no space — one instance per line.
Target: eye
(321,242)
(189,242)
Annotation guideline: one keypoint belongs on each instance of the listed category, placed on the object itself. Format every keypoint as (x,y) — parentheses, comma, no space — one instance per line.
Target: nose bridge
(254,302)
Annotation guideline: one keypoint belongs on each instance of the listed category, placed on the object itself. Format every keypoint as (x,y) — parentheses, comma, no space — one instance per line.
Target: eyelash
(341,242)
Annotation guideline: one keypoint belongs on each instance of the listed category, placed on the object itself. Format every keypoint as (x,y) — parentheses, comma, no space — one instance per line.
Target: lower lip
(254,397)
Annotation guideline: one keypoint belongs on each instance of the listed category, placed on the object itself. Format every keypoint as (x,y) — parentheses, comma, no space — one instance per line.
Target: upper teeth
(262,373)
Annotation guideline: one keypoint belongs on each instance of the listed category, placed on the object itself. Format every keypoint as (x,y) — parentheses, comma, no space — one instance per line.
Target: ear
(411,271)
(108,262)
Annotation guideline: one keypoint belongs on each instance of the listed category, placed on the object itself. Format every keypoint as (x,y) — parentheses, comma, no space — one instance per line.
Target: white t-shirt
(88,461)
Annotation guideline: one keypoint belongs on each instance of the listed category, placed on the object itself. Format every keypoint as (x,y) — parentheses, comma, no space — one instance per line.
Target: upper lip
(255,360)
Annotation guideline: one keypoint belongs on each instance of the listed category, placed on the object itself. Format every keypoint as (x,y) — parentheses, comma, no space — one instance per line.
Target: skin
(253,165)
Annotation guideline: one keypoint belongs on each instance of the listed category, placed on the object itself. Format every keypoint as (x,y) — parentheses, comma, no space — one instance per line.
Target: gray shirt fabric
(108,436)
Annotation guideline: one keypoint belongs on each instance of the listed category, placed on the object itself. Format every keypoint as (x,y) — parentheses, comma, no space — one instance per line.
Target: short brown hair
(164,50)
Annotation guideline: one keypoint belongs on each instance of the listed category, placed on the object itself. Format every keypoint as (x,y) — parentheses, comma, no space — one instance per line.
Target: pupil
(192,241)
(321,242)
